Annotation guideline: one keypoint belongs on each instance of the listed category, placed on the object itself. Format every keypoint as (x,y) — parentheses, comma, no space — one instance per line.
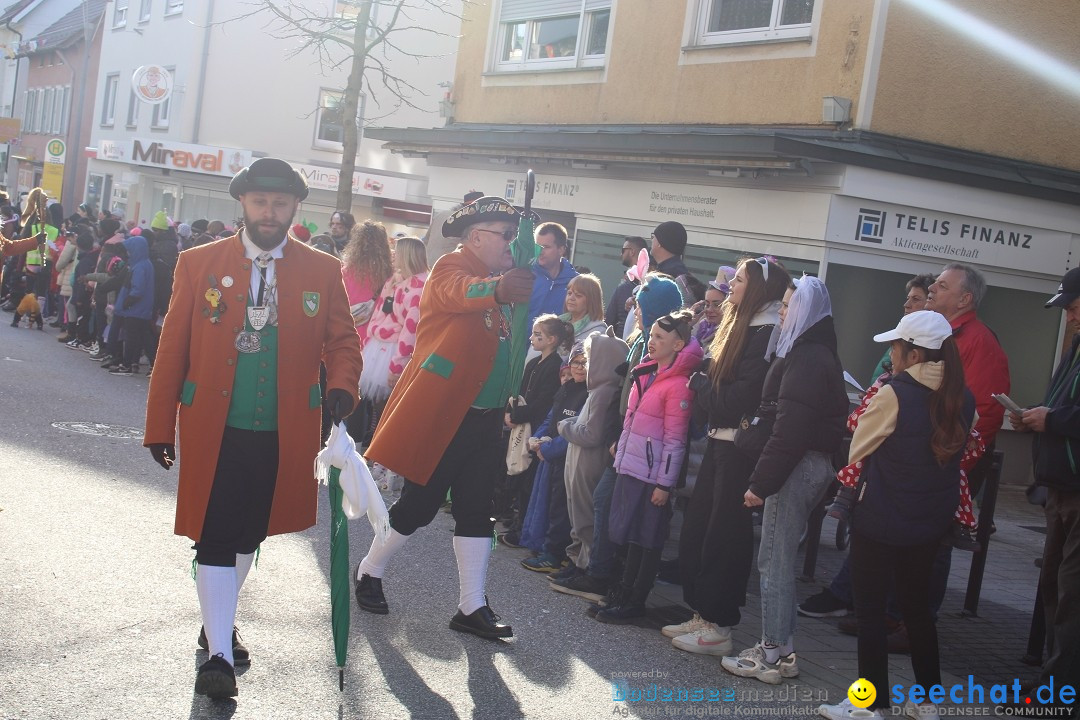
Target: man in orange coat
(249,416)
(441,428)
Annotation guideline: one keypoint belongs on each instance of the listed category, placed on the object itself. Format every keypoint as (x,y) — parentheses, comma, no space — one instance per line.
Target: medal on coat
(488,322)
(248,342)
(258,316)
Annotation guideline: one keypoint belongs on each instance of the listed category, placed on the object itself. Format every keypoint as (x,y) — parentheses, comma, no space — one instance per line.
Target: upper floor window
(145,6)
(133,110)
(108,100)
(329,120)
(738,21)
(172,7)
(552,34)
(119,18)
(160,118)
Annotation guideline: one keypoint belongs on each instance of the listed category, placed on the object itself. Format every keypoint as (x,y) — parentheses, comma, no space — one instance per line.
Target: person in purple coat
(649,458)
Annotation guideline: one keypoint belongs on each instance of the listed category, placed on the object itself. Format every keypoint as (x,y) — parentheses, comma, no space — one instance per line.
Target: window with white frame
(47,109)
(108,100)
(119,18)
(30,99)
(160,119)
(133,110)
(740,21)
(174,7)
(330,119)
(63,109)
(145,6)
(551,34)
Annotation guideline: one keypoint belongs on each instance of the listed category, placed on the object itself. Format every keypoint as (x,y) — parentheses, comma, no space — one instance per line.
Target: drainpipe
(202,72)
(74,144)
(14,94)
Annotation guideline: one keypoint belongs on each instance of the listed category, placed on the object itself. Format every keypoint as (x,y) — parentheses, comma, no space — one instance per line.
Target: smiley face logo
(861,693)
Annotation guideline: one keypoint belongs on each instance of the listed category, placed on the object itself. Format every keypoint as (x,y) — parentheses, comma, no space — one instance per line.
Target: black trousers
(1061,587)
(238,512)
(136,334)
(716,546)
(873,566)
(467,469)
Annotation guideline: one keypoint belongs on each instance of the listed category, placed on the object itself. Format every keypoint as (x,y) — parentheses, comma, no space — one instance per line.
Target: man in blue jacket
(134,307)
(1056,454)
(552,271)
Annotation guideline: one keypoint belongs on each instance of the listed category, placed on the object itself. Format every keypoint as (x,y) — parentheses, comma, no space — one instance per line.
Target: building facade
(239,91)
(862,141)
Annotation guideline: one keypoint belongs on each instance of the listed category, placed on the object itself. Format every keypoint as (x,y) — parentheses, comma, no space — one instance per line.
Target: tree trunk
(351,108)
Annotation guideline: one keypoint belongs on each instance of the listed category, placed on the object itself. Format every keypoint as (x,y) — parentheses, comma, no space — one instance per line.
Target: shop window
(174,7)
(120,9)
(108,101)
(741,21)
(552,34)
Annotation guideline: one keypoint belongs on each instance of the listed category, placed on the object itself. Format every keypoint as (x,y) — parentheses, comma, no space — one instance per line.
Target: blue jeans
(602,557)
(783,521)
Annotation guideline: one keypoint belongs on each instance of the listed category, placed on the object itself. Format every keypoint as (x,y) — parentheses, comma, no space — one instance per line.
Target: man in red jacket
(956,294)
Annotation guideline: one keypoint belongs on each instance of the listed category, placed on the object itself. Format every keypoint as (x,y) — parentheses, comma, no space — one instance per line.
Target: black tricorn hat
(487,209)
(269,175)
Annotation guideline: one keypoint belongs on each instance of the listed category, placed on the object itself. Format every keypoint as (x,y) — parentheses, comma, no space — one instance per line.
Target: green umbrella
(524,249)
(340,598)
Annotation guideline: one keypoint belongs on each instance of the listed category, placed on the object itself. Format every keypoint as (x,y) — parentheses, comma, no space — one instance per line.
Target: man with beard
(341,225)
(249,416)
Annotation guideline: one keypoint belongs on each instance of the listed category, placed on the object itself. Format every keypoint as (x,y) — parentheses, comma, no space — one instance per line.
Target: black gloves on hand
(129,300)
(699,382)
(164,454)
(339,403)
(514,286)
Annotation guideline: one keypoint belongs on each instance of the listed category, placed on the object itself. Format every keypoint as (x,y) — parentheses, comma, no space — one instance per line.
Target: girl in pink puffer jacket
(649,458)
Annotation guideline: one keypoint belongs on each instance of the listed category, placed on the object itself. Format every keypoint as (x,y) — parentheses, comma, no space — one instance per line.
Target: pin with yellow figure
(861,693)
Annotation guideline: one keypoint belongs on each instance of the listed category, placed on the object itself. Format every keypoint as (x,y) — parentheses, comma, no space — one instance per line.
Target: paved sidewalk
(988,646)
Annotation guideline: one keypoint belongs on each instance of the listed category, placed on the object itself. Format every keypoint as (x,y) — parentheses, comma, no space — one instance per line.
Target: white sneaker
(709,639)
(926,711)
(751,663)
(846,711)
(674,631)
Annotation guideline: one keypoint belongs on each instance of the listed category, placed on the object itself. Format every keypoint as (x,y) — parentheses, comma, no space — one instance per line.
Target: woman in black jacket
(806,385)
(717,539)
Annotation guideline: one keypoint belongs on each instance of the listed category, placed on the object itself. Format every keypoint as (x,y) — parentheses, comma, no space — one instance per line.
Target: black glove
(129,300)
(514,286)
(699,382)
(340,404)
(164,454)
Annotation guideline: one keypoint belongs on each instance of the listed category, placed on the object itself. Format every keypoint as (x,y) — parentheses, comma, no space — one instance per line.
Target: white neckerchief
(252,251)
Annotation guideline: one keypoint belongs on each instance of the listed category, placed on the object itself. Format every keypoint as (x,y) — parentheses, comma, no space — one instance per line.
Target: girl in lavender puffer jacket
(649,458)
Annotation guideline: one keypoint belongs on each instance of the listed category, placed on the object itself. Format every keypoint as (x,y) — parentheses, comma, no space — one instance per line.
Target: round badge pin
(227,281)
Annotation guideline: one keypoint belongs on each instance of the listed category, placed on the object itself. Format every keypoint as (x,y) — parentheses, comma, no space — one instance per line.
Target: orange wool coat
(456,340)
(194,372)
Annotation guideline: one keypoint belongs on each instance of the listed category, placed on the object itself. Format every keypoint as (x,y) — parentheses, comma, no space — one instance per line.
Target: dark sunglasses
(667,324)
(507,235)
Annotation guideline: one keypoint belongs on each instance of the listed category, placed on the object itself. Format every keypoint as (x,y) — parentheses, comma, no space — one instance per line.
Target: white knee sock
(472,563)
(217,590)
(380,553)
(243,566)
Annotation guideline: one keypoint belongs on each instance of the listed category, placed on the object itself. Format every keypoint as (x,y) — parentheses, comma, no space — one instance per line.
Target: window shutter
(591,5)
(514,10)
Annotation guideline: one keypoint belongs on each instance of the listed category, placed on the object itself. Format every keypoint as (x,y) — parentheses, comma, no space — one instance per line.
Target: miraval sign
(957,238)
(205,159)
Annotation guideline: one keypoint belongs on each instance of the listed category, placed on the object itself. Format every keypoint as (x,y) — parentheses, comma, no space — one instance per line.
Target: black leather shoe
(369,595)
(240,654)
(216,679)
(482,622)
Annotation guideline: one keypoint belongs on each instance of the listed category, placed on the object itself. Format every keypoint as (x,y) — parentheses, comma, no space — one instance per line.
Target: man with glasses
(616,311)
(442,424)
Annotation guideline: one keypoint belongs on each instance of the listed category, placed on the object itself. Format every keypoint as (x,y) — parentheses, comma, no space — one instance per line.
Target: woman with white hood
(805,384)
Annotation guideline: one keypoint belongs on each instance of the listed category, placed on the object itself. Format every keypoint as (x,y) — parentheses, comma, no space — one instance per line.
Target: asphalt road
(100,615)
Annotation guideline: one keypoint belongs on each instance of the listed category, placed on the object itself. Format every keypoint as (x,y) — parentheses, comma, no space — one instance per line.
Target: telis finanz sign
(954,238)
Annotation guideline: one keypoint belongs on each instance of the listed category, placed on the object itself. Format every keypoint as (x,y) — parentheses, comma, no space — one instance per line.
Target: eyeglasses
(579,363)
(506,235)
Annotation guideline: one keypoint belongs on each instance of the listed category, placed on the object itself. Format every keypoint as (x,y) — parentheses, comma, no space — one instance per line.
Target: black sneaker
(622,614)
(511,539)
(613,598)
(110,363)
(216,679)
(241,656)
(369,594)
(824,604)
(570,571)
(121,370)
(100,356)
(584,586)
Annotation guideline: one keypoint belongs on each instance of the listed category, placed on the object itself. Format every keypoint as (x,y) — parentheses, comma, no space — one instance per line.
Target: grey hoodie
(586,454)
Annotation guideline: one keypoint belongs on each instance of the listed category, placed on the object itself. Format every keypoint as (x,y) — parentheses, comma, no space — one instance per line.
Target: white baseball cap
(924,328)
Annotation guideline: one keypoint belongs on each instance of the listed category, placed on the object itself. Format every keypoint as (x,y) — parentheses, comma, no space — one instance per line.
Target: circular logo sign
(56,147)
(152,84)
